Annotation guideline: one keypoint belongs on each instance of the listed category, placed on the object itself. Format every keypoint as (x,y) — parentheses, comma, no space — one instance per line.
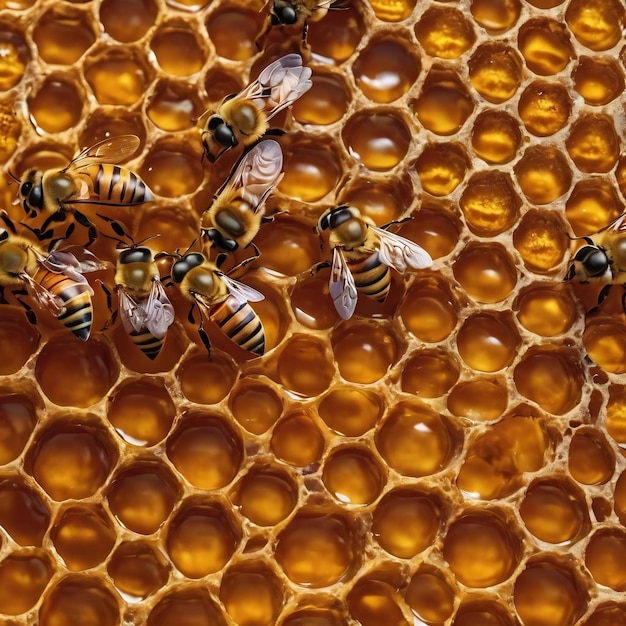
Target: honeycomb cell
(137,570)
(353,476)
(373,602)
(23,514)
(18,416)
(177,49)
(590,459)
(63,35)
(252,595)
(255,406)
(495,71)
(544,108)
(304,367)
(201,540)
(414,440)
(77,599)
(486,272)
(118,76)
(496,137)
(545,46)
(141,496)
(23,578)
(444,103)
(83,536)
(597,24)
(481,549)
(479,400)
(266,497)
(620,499)
(173,106)
(546,310)
(550,377)
(598,80)
(548,594)
(430,373)
(593,144)
(220,82)
(429,311)
(608,615)
(436,230)
(441,168)
(484,612)
(222,24)
(205,450)
(14,55)
(71,460)
(405,523)
(186,606)
(337,37)
(314,617)
(496,16)
(489,203)
(128,21)
(541,240)
(443,32)
(377,139)
(350,411)
(393,10)
(430,596)
(297,440)
(10,131)
(605,341)
(56,106)
(141,411)
(311,303)
(310,171)
(101,125)
(316,550)
(543,174)
(616,416)
(20,336)
(555,511)
(206,381)
(591,206)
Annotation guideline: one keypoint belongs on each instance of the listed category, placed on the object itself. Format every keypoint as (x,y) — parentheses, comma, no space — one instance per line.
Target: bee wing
(159,312)
(342,287)
(110,150)
(129,312)
(241,292)
(400,253)
(45,298)
(619,225)
(261,170)
(62,262)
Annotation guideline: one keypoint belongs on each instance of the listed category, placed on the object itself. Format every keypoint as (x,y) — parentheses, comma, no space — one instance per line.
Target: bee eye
(324,222)
(596,263)
(136,255)
(25,188)
(288,15)
(35,197)
(224,136)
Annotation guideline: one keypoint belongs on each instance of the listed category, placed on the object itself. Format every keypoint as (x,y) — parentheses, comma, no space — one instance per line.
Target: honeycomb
(454,456)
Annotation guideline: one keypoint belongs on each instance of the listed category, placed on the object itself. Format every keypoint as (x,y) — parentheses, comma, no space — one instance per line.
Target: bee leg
(109,296)
(266,219)
(624,299)
(237,269)
(83,220)
(388,224)
(3,299)
(305,30)
(602,296)
(204,337)
(30,313)
(319,266)
(116,227)
(8,222)
(275,132)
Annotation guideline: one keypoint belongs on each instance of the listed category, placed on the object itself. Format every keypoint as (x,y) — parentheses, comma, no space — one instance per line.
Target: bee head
(135,255)
(593,259)
(181,268)
(32,194)
(222,133)
(283,13)
(333,218)
(219,241)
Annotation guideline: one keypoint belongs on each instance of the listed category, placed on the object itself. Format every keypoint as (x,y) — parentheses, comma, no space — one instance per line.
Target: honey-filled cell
(496,137)
(605,557)
(334,39)
(596,24)
(605,341)
(434,229)
(598,80)
(478,400)
(386,69)
(186,606)
(429,373)
(616,415)
(326,102)
(205,450)
(304,366)
(18,416)
(177,49)
(102,124)
(311,302)
(23,578)
(546,311)
(297,440)
(314,617)
(486,613)
(444,32)
(372,602)
(620,499)
(541,240)
(496,16)
(173,106)
(545,46)
(255,405)
(592,205)
(19,336)
(393,10)
(590,459)
(495,71)
(10,131)
(609,614)
(56,105)
(593,144)
(544,108)
(543,174)
(128,21)
(430,596)
(206,381)
(14,55)
(63,35)
(350,411)
(234,19)
(441,168)
(23,514)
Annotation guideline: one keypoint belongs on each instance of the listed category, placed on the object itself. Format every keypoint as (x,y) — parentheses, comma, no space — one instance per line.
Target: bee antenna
(14,177)
(138,243)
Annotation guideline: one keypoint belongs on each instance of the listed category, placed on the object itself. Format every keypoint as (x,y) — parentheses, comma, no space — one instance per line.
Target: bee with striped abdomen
(91,178)
(234,218)
(244,117)
(362,256)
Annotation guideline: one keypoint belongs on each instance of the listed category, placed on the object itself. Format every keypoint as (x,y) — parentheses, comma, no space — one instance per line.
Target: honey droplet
(297,440)
(266,498)
(312,304)
(546,311)
(430,597)
(591,461)
(23,515)
(353,476)
(373,602)
(350,411)
(444,32)
(23,578)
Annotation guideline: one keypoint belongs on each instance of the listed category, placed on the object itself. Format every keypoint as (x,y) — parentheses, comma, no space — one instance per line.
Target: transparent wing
(342,287)
(129,312)
(63,262)
(619,225)
(46,299)
(260,171)
(158,311)
(241,292)
(110,150)
(400,253)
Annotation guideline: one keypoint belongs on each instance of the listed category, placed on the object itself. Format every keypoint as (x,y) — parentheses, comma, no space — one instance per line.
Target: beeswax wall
(453,456)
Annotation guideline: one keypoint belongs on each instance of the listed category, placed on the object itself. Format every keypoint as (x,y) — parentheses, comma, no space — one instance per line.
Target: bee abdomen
(240,324)
(147,343)
(371,277)
(117,185)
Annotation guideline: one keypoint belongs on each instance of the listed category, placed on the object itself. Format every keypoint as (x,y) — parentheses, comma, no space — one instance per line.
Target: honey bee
(602,259)
(362,256)
(234,218)
(244,117)
(220,298)
(55,280)
(90,178)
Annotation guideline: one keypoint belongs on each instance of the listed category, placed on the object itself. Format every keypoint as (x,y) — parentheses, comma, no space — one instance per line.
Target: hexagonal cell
(386,69)
(350,411)
(23,514)
(15,56)
(10,130)
(186,605)
(430,596)
(325,102)
(544,108)
(607,614)
(83,536)
(304,366)
(335,39)
(441,168)
(545,46)
(429,373)
(177,48)
(142,496)
(206,381)
(444,104)
(128,21)
(220,82)
(71,460)
(57,105)
(317,550)
(377,139)
(434,229)
(297,440)
(414,440)
(481,549)
(173,106)
(141,411)
(17,334)
(546,310)
(311,302)
(478,400)
(406,522)
(373,602)
(605,341)
(387,11)
(486,611)
(234,19)
(444,32)
(495,71)
(598,80)
(63,35)
(314,617)
(543,174)
(592,205)
(597,25)
(201,539)
(541,240)
(81,595)
(205,450)
(255,405)
(18,416)
(593,144)
(615,411)
(496,137)
(496,17)
(23,578)
(137,570)
(590,458)
(549,588)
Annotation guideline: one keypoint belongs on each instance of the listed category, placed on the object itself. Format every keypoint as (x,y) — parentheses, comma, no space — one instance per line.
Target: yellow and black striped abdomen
(239,322)
(76,297)
(147,343)
(113,184)
(371,277)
